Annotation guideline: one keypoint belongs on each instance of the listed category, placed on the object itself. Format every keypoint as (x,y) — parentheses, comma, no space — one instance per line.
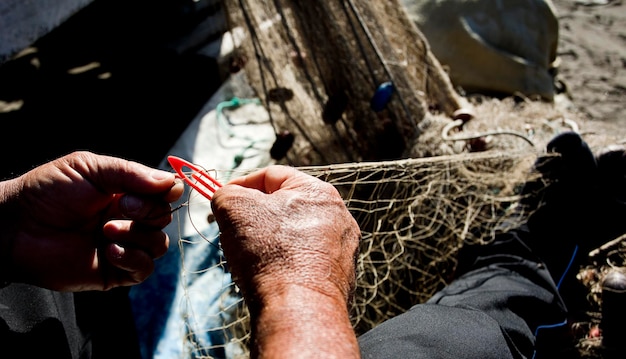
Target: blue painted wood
(22,22)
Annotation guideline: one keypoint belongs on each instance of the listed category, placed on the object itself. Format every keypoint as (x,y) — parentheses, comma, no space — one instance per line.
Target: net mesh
(415,215)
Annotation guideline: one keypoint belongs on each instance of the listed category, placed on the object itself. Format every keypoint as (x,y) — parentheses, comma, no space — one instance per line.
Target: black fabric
(492,311)
(36,323)
(437,331)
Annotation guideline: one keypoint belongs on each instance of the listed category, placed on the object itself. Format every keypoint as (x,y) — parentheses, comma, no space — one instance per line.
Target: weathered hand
(280,226)
(291,246)
(85,222)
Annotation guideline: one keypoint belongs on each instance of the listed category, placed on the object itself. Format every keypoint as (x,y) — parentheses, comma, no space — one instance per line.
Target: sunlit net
(414,215)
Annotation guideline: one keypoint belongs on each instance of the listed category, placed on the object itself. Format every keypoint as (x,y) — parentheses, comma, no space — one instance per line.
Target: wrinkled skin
(291,246)
(85,222)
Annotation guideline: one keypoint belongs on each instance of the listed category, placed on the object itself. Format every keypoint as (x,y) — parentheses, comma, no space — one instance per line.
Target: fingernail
(160,175)
(116,251)
(131,204)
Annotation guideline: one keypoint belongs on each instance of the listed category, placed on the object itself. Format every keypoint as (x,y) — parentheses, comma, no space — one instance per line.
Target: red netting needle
(198,176)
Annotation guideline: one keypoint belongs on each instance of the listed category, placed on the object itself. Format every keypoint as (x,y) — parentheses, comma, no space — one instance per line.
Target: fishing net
(354,76)
(404,168)
(415,214)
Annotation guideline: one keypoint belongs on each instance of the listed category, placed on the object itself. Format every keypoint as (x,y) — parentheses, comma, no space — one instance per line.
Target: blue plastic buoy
(382,96)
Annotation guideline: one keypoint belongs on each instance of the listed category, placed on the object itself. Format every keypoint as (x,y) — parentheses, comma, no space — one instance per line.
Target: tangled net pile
(415,215)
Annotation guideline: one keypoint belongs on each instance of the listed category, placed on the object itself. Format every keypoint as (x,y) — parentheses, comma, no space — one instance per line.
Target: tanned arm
(291,246)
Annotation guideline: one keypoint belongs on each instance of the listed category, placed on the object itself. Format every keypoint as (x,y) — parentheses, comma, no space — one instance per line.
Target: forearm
(298,322)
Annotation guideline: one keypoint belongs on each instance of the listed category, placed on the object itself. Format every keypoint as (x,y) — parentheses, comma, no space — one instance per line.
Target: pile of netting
(349,80)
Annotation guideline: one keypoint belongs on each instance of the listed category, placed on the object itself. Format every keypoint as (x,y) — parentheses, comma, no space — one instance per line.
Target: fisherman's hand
(280,226)
(291,246)
(85,222)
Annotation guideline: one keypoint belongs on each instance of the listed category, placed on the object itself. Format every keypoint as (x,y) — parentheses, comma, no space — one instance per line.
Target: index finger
(269,179)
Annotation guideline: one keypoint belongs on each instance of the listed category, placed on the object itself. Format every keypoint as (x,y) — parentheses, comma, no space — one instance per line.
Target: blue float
(382,96)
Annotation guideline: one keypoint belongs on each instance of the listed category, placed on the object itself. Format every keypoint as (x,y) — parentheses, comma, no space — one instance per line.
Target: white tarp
(497,46)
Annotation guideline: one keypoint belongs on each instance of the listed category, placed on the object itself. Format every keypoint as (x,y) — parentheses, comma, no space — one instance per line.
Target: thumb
(116,175)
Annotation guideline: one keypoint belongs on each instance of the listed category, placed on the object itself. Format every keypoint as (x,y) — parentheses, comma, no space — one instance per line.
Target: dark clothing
(491,311)
(36,323)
